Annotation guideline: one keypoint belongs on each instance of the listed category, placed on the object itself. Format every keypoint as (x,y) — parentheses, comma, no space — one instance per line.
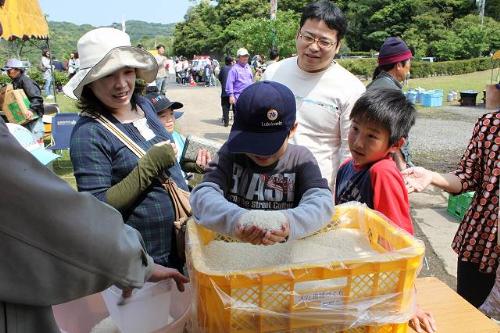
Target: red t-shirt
(380,186)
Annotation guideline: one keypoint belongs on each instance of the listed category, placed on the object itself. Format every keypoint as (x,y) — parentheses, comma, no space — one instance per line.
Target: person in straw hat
(103,165)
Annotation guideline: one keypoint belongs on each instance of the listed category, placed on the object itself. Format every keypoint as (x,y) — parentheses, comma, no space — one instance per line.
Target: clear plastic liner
(374,290)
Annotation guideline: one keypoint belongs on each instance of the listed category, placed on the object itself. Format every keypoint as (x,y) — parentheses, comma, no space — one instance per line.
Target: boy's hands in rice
(250,234)
(261,227)
(277,236)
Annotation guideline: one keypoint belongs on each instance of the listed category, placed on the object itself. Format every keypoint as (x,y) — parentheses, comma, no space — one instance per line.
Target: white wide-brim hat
(103,51)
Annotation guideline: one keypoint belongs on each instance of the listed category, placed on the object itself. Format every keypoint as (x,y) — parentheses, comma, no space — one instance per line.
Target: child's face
(368,142)
(167,119)
(265,161)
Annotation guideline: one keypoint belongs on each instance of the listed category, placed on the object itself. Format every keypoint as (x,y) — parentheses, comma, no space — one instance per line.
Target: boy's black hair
(160,46)
(388,108)
(328,12)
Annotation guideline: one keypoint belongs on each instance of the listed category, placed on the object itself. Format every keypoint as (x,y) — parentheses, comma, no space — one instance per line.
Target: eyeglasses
(323,43)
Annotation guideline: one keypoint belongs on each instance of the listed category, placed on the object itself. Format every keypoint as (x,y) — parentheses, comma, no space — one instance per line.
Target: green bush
(36,75)
(4,79)
(365,67)
(358,53)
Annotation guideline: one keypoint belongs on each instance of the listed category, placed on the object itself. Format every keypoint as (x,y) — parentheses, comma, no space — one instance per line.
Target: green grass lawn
(66,104)
(472,81)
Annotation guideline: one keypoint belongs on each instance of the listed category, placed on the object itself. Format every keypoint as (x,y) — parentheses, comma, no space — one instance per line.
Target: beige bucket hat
(103,51)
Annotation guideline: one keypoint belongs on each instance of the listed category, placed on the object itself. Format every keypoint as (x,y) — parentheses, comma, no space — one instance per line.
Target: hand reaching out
(423,321)
(161,273)
(416,179)
(203,158)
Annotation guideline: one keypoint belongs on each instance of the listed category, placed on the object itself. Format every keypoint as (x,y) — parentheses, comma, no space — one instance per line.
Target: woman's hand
(174,147)
(203,158)
(423,321)
(159,157)
(417,179)
(161,273)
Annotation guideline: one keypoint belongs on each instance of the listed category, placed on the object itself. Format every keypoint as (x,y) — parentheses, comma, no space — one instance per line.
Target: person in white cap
(239,77)
(103,165)
(15,70)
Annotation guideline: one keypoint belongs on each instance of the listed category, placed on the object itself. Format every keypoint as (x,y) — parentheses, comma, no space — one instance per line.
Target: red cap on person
(393,51)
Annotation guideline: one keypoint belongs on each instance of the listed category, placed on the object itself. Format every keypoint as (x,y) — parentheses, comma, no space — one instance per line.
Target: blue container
(412,96)
(420,95)
(432,98)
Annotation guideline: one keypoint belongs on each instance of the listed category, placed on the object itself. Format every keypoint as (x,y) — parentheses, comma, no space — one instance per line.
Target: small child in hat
(257,169)
(166,112)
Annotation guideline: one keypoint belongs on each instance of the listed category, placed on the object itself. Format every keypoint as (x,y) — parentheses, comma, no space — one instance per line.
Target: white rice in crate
(265,219)
(333,246)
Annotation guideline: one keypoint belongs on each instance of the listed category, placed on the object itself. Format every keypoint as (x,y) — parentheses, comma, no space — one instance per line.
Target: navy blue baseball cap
(264,115)
(161,103)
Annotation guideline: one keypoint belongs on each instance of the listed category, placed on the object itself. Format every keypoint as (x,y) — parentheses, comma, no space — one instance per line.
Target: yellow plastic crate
(271,291)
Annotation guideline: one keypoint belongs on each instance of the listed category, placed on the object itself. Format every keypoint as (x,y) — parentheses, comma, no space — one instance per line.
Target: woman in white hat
(103,165)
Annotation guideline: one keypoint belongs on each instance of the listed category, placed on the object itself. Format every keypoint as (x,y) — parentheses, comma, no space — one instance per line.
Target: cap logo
(272,115)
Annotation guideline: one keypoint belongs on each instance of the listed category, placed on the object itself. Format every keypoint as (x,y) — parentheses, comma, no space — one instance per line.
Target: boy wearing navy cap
(257,169)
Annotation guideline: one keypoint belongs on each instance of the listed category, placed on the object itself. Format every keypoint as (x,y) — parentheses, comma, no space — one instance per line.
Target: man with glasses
(325,92)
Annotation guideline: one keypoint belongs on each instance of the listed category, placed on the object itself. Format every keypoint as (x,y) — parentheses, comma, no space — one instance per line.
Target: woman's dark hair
(159,46)
(89,102)
(385,68)
(388,108)
(45,52)
(328,12)
(228,60)
(75,54)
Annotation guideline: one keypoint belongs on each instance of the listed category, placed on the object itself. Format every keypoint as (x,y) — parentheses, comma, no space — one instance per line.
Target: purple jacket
(238,79)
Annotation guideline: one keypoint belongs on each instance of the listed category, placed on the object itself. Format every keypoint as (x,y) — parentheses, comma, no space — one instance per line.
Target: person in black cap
(257,169)
(166,111)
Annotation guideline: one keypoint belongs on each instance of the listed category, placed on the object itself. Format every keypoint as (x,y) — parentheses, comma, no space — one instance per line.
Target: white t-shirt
(324,103)
(162,66)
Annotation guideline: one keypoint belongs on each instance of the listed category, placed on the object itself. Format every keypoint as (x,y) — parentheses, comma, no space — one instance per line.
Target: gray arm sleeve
(212,210)
(315,209)
(58,244)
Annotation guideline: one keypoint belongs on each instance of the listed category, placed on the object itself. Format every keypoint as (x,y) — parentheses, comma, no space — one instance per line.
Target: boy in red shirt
(380,122)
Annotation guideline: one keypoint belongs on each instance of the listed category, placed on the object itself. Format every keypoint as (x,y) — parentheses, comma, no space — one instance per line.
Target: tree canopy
(430,27)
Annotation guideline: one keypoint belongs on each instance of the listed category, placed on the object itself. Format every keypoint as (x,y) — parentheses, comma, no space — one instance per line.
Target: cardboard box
(3,90)
(16,106)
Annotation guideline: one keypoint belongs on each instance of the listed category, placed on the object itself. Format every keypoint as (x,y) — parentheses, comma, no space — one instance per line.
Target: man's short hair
(328,12)
(228,60)
(160,46)
(388,108)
